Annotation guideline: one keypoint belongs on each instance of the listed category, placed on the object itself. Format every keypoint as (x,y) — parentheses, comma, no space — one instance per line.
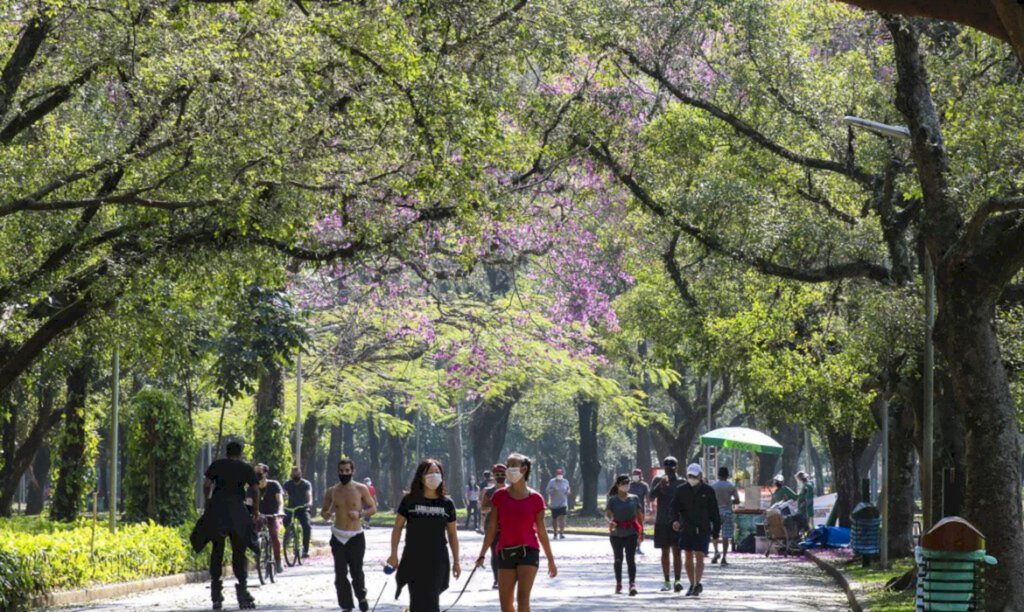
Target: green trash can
(746,524)
(950,577)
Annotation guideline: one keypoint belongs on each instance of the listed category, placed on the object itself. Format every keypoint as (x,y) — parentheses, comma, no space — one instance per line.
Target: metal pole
(884,548)
(112,485)
(298,411)
(707,450)
(927,484)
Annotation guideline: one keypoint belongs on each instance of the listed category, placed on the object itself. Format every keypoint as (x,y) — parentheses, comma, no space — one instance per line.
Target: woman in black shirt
(428,515)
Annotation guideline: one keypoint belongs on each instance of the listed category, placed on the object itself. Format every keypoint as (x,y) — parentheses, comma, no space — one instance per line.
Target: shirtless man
(349,501)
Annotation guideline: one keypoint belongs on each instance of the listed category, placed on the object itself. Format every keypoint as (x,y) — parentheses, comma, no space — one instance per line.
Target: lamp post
(927,460)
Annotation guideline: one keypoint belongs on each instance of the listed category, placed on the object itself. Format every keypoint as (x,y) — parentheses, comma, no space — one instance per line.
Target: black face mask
(345,478)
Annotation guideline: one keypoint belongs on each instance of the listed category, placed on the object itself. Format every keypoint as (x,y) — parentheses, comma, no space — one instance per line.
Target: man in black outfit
(663,491)
(695,508)
(226,515)
(300,493)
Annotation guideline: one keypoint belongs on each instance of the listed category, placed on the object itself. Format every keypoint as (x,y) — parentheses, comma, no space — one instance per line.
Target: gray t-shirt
(725,491)
(623,510)
(558,491)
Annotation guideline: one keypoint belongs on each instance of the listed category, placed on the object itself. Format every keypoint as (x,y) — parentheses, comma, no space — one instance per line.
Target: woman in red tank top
(520,519)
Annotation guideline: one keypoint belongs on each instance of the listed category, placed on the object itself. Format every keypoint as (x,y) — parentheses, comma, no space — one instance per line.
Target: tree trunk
(845,450)
(590,465)
(68,491)
(373,442)
(965,333)
(39,480)
(456,479)
(643,450)
(488,425)
(334,453)
(310,443)
(270,438)
(819,472)
(900,484)
(17,458)
(348,443)
(791,437)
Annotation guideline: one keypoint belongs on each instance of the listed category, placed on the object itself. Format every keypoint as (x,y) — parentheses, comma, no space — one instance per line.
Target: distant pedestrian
(805,498)
(663,491)
(300,497)
(519,516)
(428,516)
(727,497)
(625,514)
(642,490)
(498,475)
(558,500)
(373,496)
(472,504)
(695,509)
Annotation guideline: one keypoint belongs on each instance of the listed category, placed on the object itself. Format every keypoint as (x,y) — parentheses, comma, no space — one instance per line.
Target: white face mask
(558,477)
(513,475)
(693,480)
(636,479)
(432,481)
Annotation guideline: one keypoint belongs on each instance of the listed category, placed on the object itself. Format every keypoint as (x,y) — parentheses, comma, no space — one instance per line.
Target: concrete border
(839,577)
(121,589)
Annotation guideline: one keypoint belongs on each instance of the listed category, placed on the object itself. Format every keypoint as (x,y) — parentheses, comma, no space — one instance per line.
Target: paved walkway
(585,583)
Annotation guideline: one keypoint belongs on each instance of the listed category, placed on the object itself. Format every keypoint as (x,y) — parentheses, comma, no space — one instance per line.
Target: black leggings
(473,513)
(424,596)
(627,544)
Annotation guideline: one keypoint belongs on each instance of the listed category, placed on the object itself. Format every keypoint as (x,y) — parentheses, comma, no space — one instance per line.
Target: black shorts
(532,558)
(695,542)
(557,512)
(665,536)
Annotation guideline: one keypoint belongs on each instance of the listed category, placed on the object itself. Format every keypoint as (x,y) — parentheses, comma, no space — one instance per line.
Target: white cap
(694,469)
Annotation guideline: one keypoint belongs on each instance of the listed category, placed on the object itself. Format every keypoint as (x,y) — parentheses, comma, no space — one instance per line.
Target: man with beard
(300,497)
(348,501)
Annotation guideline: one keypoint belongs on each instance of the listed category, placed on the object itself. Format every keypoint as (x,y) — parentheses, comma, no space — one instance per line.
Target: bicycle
(265,558)
(292,542)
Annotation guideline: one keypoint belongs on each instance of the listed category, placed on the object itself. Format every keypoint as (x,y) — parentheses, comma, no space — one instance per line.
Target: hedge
(39,556)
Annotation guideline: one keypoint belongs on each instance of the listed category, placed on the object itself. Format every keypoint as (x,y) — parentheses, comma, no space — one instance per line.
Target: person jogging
(473,504)
(638,487)
(696,519)
(300,497)
(226,516)
(519,516)
(727,497)
(348,501)
(625,514)
(663,491)
(558,500)
(498,474)
(428,516)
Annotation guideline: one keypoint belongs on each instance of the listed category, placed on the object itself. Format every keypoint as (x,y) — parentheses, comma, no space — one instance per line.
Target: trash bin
(865,530)
(746,523)
(950,562)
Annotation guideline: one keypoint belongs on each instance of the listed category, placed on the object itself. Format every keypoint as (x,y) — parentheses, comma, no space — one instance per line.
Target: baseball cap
(694,470)
(560,472)
(498,467)
(638,471)
(669,460)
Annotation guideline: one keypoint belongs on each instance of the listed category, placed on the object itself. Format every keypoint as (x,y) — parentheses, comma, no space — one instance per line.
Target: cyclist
(271,506)
(225,515)
(300,497)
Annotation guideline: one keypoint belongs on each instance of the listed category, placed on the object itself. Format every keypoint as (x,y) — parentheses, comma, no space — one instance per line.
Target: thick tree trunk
(488,426)
(39,480)
(964,332)
(900,484)
(845,449)
(348,443)
(17,458)
(310,443)
(643,450)
(269,436)
(590,465)
(791,437)
(334,453)
(766,468)
(68,493)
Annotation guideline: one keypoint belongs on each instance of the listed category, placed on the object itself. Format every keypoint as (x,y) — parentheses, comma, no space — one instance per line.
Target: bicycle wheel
(259,560)
(269,563)
(291,552)
(296,542)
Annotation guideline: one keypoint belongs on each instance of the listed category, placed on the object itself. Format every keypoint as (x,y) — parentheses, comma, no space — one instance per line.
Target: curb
(839,577)
(122,589)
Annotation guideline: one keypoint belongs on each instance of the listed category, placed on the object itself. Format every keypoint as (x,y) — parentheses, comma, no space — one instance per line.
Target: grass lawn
(869,585)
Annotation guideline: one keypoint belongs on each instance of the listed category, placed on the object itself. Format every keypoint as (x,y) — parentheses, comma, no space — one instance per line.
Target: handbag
(513,553)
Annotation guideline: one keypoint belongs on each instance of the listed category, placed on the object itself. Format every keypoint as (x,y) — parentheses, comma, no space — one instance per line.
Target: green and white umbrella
(742,438)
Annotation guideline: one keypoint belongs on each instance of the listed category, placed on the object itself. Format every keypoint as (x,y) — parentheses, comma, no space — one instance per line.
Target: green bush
(38,556)
(161,449)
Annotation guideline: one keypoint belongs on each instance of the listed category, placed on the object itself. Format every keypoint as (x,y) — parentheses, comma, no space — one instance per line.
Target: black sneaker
(689,592)
(364,606)
(714,560)
(679,587)
(632,589)
(697,590)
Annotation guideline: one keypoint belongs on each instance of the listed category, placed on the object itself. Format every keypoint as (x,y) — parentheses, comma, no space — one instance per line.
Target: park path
(584,583)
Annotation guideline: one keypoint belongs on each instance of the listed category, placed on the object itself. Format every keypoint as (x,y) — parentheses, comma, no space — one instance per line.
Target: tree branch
(61,94)
(32,37)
